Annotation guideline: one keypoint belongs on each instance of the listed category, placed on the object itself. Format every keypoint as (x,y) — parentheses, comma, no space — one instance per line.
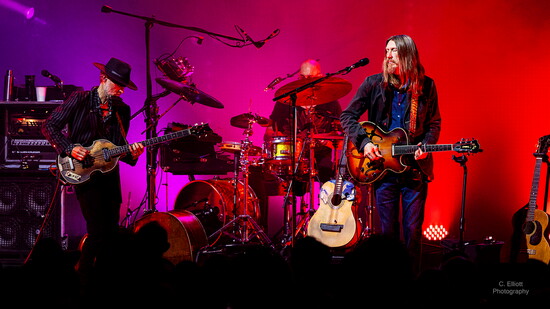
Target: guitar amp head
(24,144)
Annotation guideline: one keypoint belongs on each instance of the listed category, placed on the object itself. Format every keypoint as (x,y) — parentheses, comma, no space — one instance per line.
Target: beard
(392,67)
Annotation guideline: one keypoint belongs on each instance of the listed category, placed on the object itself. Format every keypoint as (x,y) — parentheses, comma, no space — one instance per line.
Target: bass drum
(186,234)
(212,202)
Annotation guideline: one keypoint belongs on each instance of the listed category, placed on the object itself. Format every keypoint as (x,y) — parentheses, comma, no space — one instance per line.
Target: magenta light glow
(28,12)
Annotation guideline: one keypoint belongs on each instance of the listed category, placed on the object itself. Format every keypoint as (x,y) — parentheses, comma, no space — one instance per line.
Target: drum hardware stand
(369,230)
(290,230)
(241,222)
(302,225)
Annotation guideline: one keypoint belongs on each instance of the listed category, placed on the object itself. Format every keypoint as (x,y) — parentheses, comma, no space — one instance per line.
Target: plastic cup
(41,94)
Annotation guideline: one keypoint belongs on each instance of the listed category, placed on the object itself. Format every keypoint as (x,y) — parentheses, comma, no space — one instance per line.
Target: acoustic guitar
(530,235)
(334,223)
(395,148)
(104,155)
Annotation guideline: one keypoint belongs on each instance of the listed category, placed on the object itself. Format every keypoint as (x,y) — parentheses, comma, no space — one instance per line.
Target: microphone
(273,83)
(54,78)
(249,39)
(106,9)
(360,63)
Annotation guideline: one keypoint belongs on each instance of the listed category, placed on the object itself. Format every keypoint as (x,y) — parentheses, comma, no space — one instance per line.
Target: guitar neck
(534,191)
(340,171)
(410,149)
(120,150)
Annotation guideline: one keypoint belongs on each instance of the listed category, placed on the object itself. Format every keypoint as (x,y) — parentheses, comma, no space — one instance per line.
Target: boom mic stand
(150,106)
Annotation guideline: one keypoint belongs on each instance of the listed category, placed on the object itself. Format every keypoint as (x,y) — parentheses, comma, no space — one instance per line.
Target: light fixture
(435,232)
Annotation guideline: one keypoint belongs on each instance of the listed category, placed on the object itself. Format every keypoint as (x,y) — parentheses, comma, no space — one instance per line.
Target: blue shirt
(398,109)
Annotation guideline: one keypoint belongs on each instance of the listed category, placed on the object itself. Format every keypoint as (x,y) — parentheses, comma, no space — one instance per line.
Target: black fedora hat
(118,71)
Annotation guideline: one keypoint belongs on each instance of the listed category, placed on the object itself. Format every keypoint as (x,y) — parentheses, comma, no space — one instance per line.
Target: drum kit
(228,209)
(287,159)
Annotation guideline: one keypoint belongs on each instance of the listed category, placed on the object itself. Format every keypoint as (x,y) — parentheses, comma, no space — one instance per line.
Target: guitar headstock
(542,145)
(200,129)
(468,146)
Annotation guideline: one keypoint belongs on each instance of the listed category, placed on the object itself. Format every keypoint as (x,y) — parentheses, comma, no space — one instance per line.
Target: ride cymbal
(189,93)
(243,120)
(328,90)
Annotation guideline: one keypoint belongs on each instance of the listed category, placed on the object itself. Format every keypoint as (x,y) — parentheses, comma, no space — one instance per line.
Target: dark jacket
(375,99)
(80,116)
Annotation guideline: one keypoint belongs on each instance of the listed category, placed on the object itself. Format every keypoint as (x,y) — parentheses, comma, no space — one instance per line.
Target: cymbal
(330,136)
(190,93)
(328,90)
(243,120)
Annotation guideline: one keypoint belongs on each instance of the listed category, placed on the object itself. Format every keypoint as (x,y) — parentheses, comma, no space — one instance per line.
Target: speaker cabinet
(29,205)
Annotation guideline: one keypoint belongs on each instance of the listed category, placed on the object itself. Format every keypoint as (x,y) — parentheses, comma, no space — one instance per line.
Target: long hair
(411,71)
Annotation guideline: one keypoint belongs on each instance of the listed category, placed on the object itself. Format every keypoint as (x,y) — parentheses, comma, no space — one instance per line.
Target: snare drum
(278,150)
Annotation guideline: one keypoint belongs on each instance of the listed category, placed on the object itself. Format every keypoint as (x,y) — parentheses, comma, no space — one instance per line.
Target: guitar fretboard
(119,150)
(534,190)
(410,149)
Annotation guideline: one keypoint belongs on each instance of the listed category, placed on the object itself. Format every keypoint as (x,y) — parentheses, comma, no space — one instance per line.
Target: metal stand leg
(368,230)
(243,225)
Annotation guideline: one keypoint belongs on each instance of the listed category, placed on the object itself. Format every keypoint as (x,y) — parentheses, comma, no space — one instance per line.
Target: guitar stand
(462,161)
(460,245)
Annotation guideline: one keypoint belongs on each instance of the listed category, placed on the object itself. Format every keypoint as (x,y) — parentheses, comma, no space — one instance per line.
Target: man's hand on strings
(136,149)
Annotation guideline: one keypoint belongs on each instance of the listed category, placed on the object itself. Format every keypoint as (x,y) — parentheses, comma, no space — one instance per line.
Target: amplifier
(21,134)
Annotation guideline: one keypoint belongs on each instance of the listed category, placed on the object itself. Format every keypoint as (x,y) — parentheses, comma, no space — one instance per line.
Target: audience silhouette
(376,271)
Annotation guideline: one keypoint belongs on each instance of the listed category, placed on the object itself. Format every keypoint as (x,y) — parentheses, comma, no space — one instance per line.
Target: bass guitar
(104,155)
(394,147)
(530,236)
(334,222)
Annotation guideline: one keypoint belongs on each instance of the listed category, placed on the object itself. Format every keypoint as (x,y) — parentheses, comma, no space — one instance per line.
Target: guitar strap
(414,109)
(121,127)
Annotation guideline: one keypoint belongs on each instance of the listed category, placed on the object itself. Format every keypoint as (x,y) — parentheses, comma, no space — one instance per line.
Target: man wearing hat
(91,115)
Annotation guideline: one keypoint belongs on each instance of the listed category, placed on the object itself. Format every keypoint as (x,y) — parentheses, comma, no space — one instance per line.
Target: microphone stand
(293,94)
(150,106)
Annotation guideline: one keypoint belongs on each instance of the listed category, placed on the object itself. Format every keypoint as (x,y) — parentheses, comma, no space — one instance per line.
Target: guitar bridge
(331,227)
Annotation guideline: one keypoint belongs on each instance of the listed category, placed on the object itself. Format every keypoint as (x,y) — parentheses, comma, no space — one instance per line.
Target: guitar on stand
(530,236)
(334,223)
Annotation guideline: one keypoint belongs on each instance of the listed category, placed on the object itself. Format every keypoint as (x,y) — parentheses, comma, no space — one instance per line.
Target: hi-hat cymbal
(190,93)
(328,90)
(243,120)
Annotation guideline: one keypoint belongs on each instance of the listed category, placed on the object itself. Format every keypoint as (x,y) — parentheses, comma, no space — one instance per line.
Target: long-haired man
(401,96)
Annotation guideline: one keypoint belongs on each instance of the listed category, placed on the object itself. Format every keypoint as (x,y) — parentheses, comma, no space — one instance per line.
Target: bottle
(8,86)
(31,89)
